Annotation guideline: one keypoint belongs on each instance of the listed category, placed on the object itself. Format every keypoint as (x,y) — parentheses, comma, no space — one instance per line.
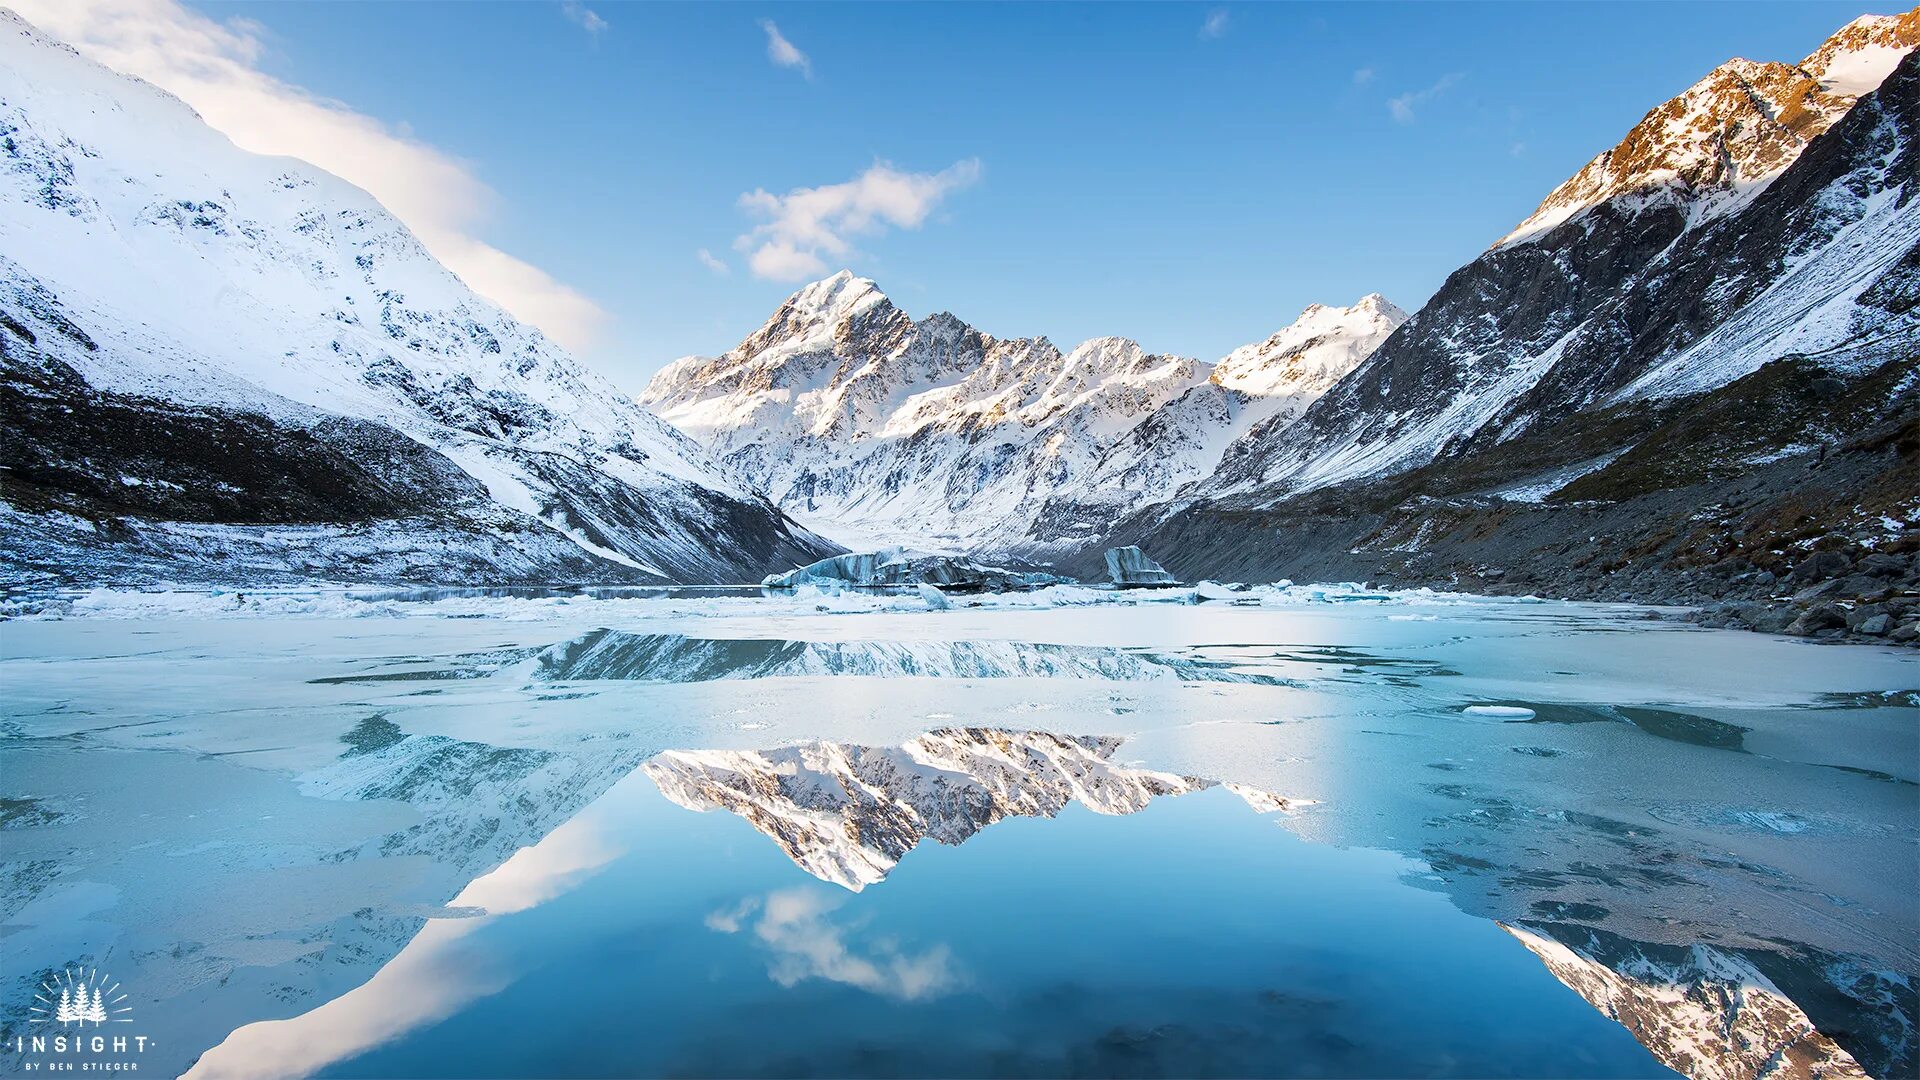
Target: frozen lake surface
(1313,832)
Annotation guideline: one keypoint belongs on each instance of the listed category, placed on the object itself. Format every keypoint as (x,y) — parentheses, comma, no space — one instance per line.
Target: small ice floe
(1504,712)
(1235,593)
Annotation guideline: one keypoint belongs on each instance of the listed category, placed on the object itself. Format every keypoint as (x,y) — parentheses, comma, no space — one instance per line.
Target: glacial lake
(1285,832)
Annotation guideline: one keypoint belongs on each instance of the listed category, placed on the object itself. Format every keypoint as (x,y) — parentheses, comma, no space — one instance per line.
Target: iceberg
(1129,566)
(898,566)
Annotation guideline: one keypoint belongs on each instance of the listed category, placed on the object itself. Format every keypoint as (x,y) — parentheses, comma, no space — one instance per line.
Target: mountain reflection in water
(613,654)
(439,814)
(1706,1013)
(846,814)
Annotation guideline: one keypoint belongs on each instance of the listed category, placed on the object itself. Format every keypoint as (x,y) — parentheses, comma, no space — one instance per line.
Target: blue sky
(1188,175)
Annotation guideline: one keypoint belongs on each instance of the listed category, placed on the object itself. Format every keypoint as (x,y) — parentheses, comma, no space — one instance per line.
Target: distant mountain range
(871,426)
(1689,375)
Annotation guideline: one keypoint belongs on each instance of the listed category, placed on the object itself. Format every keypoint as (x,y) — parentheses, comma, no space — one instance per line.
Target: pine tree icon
(64,1011)
(97,1008)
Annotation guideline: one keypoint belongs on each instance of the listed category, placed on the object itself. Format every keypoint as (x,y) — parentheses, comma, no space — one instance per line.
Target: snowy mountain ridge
(153,261)
(867,423)
(1664,400)
(1609,291)
(1722,140)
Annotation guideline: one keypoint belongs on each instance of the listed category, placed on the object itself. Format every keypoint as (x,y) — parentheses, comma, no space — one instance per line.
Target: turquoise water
(1194,938)
(529,836)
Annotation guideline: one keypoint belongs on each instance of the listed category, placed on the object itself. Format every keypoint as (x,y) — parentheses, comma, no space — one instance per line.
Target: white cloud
(211,66)
(1402,107)
(587,18)
(783,52)
(807,223)
(712,262)
(1363,76)
(1216,23)
(807,945)
(730,920)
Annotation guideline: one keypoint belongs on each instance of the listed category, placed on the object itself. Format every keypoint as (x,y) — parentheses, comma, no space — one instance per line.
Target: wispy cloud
(807,223)
(1363,76)
(785,53)
(1215,24)
(211,65)
(1403,107)
(713,262)
(584,17)
(805,944)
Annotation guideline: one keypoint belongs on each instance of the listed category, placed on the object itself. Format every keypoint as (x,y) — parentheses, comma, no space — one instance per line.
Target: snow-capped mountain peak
(1313,352)
(1713,147)
(1755,222)
(830,302)
(864,421)
(1860,55)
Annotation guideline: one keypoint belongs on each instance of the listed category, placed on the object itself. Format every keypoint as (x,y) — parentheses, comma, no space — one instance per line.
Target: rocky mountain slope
(1675,263)
(875,427)
(218,365)
(1674,383)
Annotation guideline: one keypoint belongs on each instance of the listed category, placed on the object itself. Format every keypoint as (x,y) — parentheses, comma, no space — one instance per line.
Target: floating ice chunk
(897,566)
(1214,591)
(1130,566)
(855,567)
(1505,712)
(936,600)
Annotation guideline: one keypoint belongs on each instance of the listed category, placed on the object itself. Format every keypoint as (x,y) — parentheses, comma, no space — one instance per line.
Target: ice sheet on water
(357,602)
(258,738)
